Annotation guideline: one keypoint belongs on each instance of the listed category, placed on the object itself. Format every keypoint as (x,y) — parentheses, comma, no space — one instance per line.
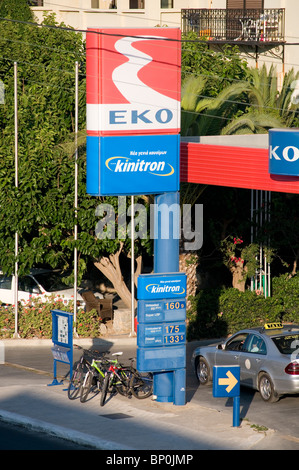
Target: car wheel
(266,389)
(202,371)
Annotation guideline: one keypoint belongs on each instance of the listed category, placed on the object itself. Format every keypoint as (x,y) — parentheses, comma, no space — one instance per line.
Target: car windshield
(51,282)
(287,344)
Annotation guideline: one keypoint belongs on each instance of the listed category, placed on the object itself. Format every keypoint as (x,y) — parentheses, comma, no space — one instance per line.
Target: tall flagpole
(16,283)
(76,199)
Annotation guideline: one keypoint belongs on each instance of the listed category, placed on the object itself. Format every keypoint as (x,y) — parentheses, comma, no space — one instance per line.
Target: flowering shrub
(35,319)
(240,259)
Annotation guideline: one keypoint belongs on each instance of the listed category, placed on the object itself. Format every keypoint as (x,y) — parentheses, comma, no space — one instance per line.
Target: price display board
(161,315)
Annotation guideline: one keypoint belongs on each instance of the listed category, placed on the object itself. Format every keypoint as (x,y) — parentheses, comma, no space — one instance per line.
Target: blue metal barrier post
(62,337)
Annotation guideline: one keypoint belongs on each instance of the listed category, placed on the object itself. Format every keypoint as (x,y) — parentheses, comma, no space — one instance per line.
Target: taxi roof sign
(273,326)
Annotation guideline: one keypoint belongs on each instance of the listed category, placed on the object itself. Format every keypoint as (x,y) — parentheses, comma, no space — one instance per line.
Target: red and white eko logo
(133,81)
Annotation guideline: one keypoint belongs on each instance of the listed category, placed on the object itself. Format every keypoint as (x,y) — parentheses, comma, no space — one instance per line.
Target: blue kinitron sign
(161,315)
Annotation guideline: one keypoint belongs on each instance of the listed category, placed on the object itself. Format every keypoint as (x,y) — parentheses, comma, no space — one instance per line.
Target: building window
(103,4)
(36,3)
(245,4)
(166,3)
(137,4)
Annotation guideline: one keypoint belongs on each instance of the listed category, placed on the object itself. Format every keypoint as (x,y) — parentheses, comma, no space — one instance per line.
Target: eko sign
(133,91)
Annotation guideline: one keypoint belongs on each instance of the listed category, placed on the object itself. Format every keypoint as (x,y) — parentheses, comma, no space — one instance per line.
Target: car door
(230,353)
(251,359)
(27,288)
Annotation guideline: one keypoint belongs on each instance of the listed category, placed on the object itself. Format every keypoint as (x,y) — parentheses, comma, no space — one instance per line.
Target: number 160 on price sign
(176,305)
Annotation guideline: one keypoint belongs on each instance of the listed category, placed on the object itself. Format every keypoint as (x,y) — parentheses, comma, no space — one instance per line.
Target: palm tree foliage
(250,106)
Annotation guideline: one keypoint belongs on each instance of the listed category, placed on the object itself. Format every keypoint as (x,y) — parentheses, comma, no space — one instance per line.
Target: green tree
(16,9)
(41,208)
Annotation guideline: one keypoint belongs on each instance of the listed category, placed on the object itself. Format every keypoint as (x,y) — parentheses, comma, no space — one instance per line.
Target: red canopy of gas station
(238,161)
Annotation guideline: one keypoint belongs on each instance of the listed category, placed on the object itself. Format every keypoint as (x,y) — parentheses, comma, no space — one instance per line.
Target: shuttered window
(247,4)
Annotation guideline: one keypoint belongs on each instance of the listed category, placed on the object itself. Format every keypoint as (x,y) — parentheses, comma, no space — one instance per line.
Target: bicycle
(79,372)
(94,377)
(127,381)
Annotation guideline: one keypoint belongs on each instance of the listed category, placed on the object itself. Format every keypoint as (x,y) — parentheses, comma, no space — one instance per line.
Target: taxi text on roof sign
(273,326)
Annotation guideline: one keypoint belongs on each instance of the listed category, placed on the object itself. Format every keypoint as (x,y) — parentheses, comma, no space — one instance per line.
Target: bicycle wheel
(86,386)
(123,386)
(75,382)
(141,385)
(104,389)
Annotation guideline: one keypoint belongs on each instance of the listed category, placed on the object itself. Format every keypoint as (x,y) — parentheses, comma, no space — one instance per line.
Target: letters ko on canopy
(133,81)
(284,152)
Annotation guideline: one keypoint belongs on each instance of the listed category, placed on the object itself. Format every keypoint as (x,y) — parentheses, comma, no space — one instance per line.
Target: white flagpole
(16,283)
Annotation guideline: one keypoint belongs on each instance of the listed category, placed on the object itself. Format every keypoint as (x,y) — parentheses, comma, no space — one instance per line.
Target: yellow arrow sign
(231,381)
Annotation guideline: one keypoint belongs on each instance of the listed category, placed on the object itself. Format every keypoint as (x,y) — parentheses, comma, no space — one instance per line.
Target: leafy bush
(219,312)
(35,319)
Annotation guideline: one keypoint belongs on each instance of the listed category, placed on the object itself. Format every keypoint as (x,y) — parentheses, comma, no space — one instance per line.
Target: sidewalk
(122,424)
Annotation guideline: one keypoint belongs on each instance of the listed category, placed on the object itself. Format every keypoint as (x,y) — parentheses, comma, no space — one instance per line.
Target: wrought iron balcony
(255,25)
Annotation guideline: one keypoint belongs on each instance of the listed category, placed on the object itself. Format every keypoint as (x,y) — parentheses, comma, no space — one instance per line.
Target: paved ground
(122,424)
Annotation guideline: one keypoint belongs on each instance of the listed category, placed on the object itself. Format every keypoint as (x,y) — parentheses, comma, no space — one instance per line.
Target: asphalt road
(281,416)
(14,437)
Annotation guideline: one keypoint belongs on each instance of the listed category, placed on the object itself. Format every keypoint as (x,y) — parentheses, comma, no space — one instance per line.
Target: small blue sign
(226,381)
(162,286)
(127,165)
(62,337)
(284,152)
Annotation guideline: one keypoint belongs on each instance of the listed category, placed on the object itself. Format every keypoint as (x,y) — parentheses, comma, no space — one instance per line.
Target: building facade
(264,30)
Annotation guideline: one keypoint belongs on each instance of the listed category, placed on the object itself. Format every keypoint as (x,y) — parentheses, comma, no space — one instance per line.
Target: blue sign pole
(168,386)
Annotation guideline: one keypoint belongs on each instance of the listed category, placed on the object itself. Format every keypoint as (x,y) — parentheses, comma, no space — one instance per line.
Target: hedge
(214,313)
(219,312)
(35,319)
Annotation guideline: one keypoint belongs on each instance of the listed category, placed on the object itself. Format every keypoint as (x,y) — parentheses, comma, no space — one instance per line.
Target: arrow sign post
(226,383)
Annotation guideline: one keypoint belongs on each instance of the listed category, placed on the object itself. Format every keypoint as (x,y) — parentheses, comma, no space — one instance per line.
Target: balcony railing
(235,25)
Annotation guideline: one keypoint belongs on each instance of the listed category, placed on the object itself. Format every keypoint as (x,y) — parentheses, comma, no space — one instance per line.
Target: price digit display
(175,305)
(174,339)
